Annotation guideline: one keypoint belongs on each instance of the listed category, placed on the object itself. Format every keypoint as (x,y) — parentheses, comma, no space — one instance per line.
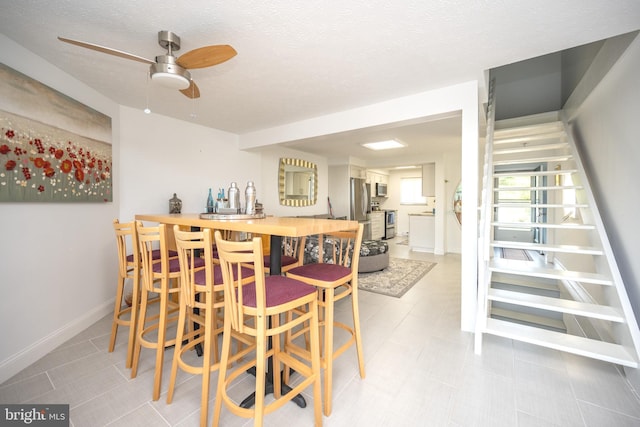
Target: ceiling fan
(169,70)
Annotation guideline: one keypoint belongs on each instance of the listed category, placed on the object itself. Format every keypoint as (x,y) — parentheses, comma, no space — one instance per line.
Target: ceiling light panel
(384,145)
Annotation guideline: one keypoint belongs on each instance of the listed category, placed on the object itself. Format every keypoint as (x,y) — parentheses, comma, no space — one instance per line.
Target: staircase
(566,293)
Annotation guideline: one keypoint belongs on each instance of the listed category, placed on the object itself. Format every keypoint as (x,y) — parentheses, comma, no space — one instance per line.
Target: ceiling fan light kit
(166,72)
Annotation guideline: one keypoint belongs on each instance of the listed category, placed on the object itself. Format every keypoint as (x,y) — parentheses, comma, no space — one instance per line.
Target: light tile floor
(421,370)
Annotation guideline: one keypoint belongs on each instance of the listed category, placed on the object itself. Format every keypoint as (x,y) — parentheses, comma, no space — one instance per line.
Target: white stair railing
(484,232)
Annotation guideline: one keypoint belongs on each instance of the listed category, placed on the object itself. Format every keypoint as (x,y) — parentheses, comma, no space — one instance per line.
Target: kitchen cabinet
(377,225)
(422,231)
(429,180)
(357,172)
(376,178)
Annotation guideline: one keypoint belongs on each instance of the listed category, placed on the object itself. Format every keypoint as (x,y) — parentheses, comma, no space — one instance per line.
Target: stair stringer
(628,336)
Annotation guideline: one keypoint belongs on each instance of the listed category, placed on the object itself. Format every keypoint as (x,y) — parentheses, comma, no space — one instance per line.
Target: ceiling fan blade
(192,91)
(206,56)
(107,50)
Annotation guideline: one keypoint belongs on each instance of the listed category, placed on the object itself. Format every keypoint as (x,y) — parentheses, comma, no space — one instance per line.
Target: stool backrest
(150,238)
(344,247)
(192,245)
(233,257)
(127,243)
(294,247)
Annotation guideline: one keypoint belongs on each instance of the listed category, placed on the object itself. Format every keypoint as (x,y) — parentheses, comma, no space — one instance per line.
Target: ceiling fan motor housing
(169,40)
(166,72)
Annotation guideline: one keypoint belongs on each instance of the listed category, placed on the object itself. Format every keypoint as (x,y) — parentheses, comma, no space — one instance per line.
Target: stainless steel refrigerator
(361,204)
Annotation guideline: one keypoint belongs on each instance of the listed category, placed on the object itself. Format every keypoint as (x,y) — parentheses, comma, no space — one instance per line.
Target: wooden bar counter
(271,225)
(274,226)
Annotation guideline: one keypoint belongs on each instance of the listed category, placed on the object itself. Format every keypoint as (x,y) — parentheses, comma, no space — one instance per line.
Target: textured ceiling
(301,59)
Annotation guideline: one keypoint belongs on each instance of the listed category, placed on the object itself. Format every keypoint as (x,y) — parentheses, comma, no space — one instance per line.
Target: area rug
(396,279)
(517,254)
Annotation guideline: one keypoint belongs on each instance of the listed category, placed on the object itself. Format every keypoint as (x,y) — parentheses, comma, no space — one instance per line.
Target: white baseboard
(31,354)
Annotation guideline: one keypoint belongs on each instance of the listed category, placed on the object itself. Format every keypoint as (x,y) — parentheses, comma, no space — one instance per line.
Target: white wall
(607,129)
(57,260)
(161,156)
(270,198)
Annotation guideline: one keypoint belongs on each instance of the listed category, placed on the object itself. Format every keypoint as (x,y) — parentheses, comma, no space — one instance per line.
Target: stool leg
(141,321)
(314,345)
(133,320)
(222,373)
(116,312)
(261,372)
(176,351)
(275,369)
(329,294)
(162,332)
(356,328)
(209,336)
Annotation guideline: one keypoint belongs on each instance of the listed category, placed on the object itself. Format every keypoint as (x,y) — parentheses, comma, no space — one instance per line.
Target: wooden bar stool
(334,282)
(255,309)
(201,302)
(160,276)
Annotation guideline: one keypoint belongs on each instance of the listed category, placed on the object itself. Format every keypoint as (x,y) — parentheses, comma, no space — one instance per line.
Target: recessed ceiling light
(406,167)
(384,145)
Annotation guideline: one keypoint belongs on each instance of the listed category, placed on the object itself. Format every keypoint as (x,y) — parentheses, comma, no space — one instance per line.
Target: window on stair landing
(514,214)
(568,199)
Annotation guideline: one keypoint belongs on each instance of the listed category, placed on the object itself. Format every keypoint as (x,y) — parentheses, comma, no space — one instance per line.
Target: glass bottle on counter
(210,202)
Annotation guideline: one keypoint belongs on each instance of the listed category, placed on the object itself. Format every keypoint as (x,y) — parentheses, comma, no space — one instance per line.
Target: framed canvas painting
(52,147)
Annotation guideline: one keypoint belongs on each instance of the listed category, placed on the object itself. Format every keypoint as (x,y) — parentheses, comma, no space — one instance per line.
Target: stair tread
(529,318)
(543,159)
(535,173)
(539,188)
(567,226)
(529,148)
(526,281)
(533,129)
(512,139)
(556,304)
(539,205)
(527,268)
(553,248)
(600,350)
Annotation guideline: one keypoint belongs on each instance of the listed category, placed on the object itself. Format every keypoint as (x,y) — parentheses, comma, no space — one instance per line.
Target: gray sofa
(374,254)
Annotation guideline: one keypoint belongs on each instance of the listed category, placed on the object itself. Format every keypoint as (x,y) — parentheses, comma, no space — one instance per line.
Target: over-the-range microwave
(381,190)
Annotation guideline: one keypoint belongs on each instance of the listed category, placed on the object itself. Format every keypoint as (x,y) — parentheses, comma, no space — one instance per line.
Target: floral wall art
(52,147)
